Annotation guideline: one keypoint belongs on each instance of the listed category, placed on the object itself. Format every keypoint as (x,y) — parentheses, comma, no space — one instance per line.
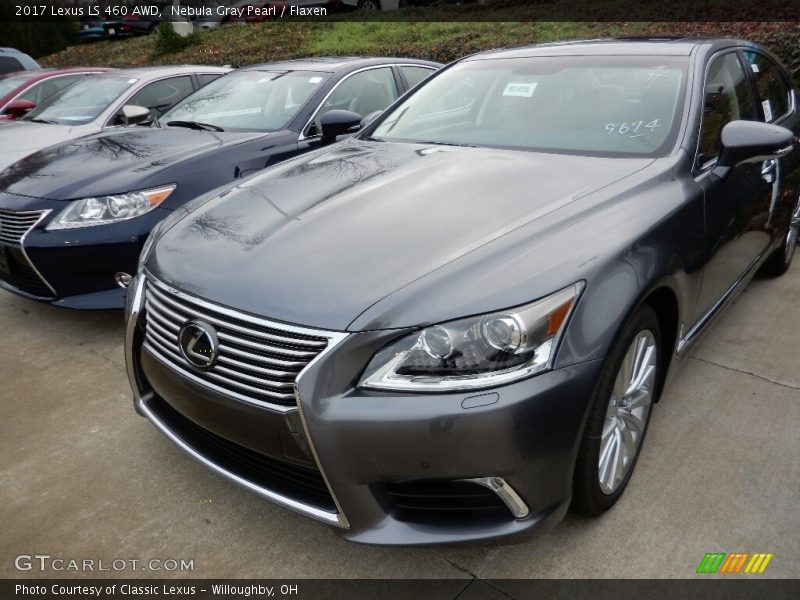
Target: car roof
(333,64)
(25,61)
(162,71)
(52,72)
(655,46)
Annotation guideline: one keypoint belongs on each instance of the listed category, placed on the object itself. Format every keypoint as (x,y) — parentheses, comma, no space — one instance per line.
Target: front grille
(425,501)
(15,224)
(257,361)
(304,484)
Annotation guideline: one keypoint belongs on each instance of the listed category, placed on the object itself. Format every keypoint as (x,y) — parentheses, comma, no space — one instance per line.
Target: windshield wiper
(445,144)
(49,121)
(195,125)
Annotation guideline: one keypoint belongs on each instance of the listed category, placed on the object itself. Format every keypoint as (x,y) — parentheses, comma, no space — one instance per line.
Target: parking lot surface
(83,477)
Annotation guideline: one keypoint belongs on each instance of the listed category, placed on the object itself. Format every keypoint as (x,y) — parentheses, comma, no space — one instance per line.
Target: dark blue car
(74,216)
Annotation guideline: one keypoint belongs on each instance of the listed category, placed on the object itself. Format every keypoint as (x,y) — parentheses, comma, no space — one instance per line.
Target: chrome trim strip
(506,493)
(224,310)
(281,408)
(42,216)
(161,299)
(136,304)
(279,499)
(340,337)
(712,312)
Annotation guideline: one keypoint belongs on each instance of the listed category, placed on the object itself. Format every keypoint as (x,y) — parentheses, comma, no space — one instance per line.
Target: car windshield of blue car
(248,100)
(81,102)
(592,105)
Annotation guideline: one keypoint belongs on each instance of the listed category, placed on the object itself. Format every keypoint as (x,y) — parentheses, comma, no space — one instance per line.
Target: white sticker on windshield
(767,110)
(315,80)
(755,68)
(520,90)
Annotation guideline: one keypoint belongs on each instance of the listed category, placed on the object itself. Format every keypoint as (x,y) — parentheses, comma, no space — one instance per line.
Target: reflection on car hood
(110,162)
(318,240)
(18,139)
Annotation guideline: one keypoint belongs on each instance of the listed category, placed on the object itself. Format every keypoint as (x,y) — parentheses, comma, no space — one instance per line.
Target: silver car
(97,103)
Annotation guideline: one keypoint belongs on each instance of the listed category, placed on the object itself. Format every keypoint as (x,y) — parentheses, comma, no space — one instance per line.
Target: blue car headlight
(476,352)
(102,210)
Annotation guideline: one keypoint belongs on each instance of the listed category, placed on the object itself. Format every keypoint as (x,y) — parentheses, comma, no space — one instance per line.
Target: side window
(416,75)
(42,91)
(362,93)
(773,92)
(726,98)
(160,95)
(9,64)
(205,78)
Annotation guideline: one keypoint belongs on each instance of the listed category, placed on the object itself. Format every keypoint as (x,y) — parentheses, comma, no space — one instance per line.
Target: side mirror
(133,114)
(17,108)
(753,141)
(339,122)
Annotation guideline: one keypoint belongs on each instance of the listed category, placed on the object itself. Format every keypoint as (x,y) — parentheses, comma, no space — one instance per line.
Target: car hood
(318,240)
(18,139)
(110,162)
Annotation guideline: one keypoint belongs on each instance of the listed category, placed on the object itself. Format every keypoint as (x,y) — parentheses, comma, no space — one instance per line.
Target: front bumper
(524,436)
(73,268)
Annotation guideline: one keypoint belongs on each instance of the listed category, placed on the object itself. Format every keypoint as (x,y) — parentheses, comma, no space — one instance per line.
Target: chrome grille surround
(259,360)
(15,225)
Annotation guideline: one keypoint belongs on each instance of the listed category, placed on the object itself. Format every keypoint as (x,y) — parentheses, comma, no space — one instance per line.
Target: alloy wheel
(627,412)
(369,5)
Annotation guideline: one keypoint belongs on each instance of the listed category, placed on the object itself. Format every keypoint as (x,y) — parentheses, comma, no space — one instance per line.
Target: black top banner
(404,10)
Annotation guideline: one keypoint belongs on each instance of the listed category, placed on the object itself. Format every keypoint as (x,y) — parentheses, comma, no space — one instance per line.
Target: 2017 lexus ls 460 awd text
(455,325)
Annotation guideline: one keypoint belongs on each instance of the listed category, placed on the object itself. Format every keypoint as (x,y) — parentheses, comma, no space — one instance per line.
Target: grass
(241,45)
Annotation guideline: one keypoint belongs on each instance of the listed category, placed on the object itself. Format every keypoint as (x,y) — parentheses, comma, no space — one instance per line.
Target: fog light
(123,279)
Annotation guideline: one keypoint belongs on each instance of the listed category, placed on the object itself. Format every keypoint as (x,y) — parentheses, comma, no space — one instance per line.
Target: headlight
(476,352)
(110,209)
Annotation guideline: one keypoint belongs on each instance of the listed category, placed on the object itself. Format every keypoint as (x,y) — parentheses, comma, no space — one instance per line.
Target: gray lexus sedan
(455,325)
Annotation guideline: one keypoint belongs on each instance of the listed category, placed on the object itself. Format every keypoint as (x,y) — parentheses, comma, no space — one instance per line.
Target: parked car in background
(14,60)
(22,91)
(456,324)
(96,199)
(92,29)
(98,102)
(131,25)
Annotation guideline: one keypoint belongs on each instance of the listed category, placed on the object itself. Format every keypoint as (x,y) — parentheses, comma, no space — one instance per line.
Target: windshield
(82,102)
(249,100)
(608,106)
(9,83)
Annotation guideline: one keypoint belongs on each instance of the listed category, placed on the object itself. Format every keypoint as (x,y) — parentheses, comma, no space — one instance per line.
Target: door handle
(768,170)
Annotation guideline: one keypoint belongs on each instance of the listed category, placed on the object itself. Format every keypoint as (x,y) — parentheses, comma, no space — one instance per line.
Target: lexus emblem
(199,345)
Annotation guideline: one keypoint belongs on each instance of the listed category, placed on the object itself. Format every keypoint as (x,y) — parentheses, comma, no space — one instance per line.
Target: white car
(96,103)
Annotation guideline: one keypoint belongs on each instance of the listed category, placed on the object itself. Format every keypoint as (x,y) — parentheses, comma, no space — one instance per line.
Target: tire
(781,259)
(607,425)
(369,5)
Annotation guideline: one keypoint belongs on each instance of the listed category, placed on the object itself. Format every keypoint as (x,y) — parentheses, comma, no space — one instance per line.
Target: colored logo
(734,563)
